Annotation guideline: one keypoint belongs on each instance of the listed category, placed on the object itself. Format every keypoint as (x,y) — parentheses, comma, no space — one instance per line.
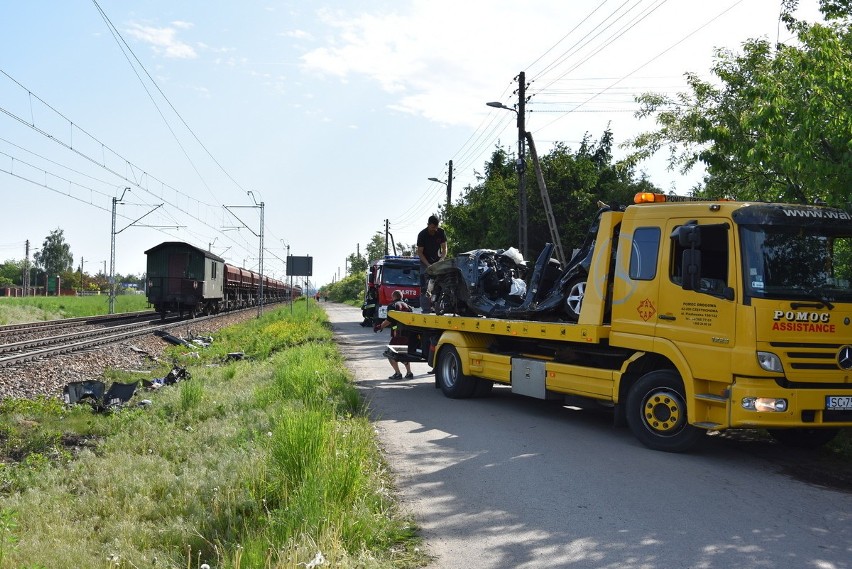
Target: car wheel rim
(575,297)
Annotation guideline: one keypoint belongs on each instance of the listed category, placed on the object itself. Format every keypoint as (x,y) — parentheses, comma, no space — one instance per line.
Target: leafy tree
(55,256)
(12,271)
(487,215)
(349,288)
(778,125)
(376,247)
(357,264)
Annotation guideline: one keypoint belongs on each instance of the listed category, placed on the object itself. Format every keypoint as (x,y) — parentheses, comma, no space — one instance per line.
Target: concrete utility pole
(25,281)
(115,202)
(521,167)
(448,183)
(387,231)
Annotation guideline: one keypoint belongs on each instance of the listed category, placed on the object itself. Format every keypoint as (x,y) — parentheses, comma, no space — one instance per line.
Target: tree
(11,272)
(778,126)
(376,247)
(487,214)
(55,256)
(357,264)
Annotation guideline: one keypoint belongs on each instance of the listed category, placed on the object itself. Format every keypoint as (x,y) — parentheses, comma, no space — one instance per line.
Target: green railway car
(184,279)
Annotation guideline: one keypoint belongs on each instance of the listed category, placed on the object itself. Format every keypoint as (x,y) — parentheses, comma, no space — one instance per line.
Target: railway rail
(80,321)
(29,350)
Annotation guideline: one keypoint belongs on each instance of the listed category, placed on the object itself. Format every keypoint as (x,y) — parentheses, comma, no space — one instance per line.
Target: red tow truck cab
(386,275)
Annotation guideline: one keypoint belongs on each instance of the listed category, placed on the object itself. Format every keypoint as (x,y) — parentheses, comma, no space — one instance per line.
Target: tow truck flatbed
(561,331)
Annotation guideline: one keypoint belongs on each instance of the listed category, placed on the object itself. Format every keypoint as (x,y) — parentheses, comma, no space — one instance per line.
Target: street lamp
(520,168)
(448,183)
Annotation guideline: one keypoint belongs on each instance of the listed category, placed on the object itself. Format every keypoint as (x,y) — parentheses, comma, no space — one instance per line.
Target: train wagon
(185,279)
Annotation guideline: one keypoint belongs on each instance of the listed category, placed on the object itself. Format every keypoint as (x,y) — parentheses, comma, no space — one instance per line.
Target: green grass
(37,308)
(259,463)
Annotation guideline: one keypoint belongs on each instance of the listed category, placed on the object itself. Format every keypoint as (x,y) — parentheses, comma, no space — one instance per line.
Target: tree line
(55,258)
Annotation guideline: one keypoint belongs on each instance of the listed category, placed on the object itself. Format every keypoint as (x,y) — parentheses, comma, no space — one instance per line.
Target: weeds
(8,532)
(264,463)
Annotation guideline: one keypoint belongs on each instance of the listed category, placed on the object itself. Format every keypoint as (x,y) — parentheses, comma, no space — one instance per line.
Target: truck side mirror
(691,267)
(688,235)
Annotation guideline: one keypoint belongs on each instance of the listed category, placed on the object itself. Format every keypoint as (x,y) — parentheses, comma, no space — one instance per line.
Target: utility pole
(521,166)
(387,231)
(450,186)
(259,235)
(113,233)
(26,276)
(115,202)
(82,263)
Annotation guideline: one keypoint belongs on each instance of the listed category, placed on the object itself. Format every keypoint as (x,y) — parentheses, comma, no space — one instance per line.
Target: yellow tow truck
(695,316)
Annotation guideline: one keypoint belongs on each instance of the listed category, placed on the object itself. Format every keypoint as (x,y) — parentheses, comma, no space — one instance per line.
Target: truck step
(711,397)
(708,426)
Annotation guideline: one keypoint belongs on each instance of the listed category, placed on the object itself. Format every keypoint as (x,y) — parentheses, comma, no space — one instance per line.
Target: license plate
(839,403)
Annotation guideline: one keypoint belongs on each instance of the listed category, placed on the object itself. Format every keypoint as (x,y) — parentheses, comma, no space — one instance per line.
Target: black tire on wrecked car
(454,383)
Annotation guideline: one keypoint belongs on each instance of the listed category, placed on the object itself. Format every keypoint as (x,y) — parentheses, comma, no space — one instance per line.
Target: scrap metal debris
(177,373)
(94,393)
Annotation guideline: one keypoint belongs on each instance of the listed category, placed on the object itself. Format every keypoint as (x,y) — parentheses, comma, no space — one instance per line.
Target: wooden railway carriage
(185,279)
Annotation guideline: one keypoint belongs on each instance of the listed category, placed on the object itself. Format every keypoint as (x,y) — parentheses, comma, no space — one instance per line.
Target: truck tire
(454,383)
(804,437)
(656,412)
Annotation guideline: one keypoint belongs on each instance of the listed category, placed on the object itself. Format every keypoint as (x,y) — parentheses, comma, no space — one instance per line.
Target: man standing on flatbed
(431,248)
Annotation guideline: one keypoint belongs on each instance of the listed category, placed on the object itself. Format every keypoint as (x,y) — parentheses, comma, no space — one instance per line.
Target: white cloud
(297,34)
(164,40)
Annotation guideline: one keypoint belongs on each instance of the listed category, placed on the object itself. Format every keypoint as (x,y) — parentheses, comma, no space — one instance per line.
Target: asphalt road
(512,482)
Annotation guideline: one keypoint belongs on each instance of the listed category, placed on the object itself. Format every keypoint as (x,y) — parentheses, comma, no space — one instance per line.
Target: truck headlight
(769,362)
(764,404)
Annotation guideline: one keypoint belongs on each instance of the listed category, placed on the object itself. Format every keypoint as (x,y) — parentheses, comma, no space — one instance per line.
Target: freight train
(185,279)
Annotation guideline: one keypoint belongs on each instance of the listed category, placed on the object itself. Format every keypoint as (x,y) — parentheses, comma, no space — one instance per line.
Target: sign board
(300,266)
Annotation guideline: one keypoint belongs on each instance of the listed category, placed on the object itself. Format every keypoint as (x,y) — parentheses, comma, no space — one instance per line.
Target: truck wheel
(656,412)
(574,300)
(804,438)
(453,382)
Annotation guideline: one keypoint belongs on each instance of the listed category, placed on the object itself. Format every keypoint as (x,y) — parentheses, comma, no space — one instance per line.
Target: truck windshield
(403,276)
(796,262)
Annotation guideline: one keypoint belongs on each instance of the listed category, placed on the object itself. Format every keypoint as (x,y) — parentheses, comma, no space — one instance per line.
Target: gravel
(48,376)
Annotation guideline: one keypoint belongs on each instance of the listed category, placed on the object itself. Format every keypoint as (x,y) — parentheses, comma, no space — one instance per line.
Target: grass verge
(38,308)
(267,463)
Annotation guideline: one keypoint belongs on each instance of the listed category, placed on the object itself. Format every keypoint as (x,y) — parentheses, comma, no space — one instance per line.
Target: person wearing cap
(398,338)
(431,248)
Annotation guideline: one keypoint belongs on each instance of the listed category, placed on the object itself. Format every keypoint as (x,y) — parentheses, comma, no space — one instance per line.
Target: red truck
(384,276)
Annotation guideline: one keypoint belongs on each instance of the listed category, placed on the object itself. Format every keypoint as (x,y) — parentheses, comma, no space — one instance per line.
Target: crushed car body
(500,284)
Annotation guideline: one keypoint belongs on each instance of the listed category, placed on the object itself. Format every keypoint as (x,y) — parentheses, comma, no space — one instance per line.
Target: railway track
(29,350)
(65,323)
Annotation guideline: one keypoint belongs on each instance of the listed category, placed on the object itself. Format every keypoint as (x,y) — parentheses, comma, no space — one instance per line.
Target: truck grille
(813,357)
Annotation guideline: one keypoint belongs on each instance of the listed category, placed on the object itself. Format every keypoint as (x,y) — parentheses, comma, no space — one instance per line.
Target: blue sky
(334,114)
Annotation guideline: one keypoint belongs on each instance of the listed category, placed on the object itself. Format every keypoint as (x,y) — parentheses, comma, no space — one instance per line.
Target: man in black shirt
(431,248)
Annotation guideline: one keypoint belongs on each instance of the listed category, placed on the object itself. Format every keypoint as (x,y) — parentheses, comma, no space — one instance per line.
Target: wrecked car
(500,284)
